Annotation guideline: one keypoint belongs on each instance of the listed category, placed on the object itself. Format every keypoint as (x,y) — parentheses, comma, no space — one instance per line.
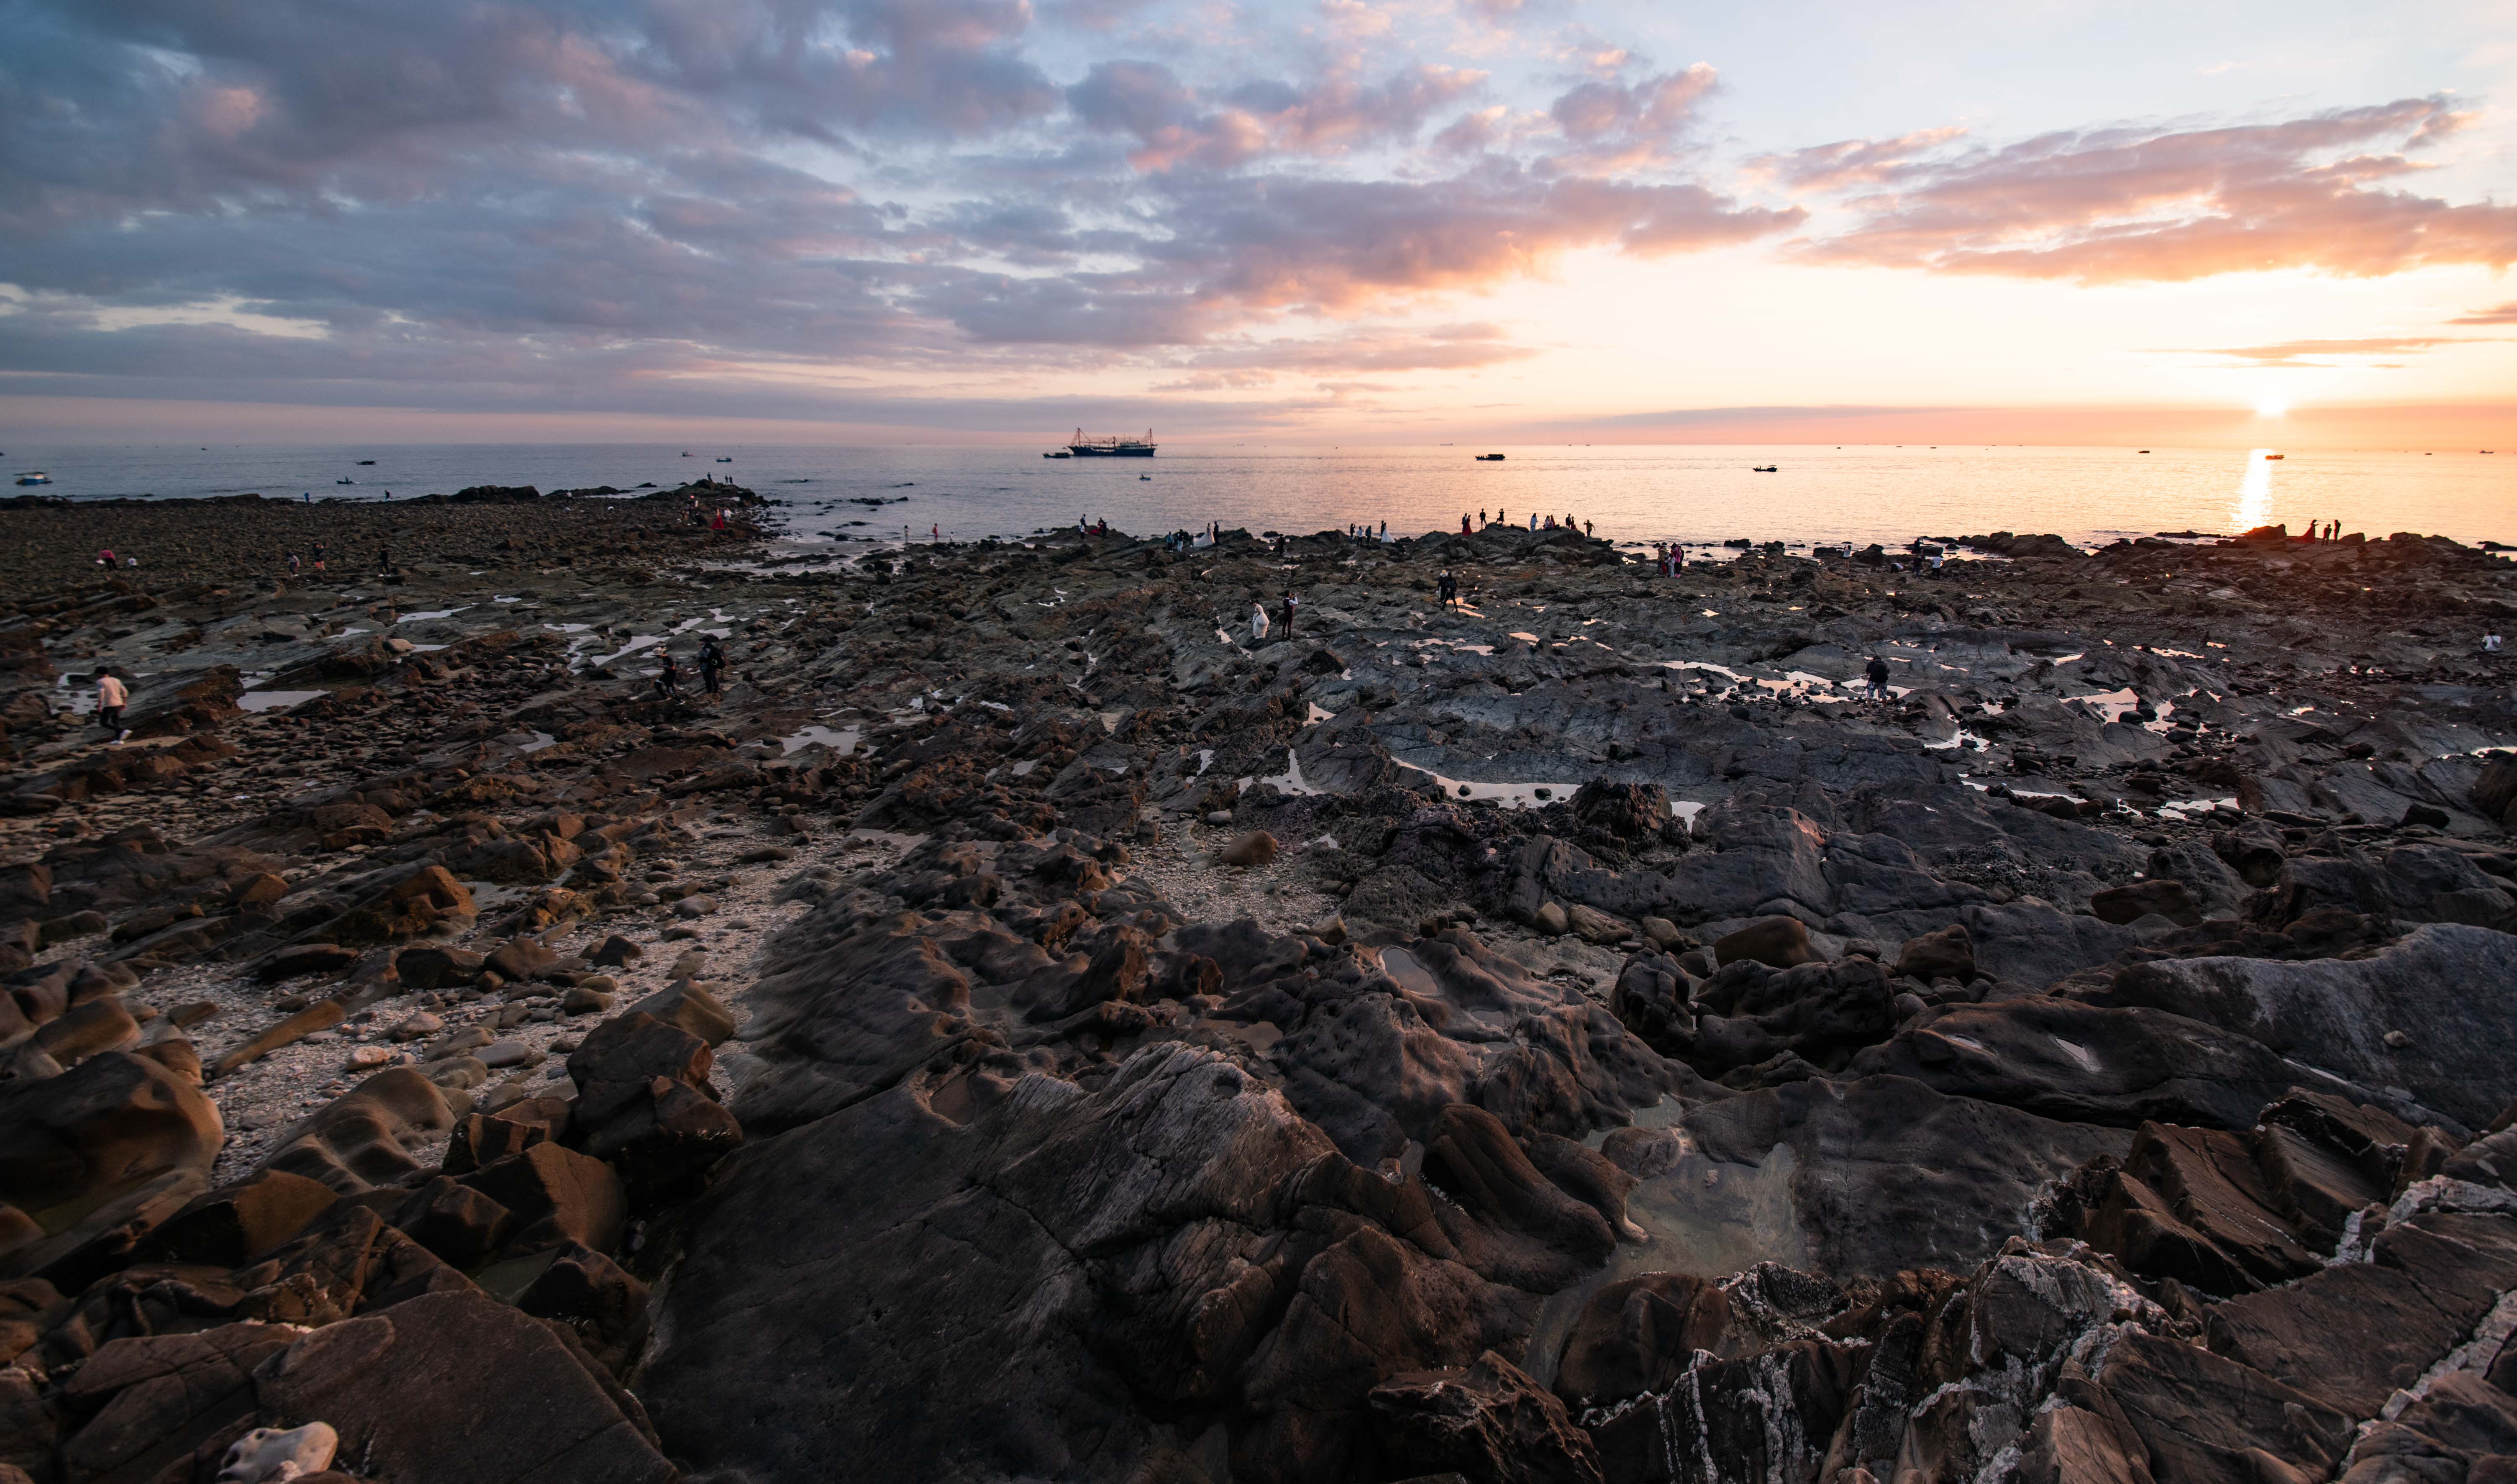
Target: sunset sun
(2270,405)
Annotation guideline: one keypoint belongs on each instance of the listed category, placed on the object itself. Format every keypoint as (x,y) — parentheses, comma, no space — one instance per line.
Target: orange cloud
(2133,204)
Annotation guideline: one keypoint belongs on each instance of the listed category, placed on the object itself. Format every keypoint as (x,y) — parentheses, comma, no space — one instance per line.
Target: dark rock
(2141,899)
(108,1124)
(2335,1014)
(1488,1423)
(557,1194)
(1946,954)
(359,1139)
(461,1227)
(411,1398)
(617,1060)
(2082,1063)
(227,1227)
(1776,942)
(603,1306)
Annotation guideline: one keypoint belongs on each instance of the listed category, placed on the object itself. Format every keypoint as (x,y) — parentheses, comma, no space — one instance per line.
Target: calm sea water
(1693,493)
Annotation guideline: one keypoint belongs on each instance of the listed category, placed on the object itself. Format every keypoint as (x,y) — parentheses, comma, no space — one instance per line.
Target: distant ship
(1490,459)
(1058,454)
(36,477)
(1764,468)
(2276,455)
(363,463)
(1112,447)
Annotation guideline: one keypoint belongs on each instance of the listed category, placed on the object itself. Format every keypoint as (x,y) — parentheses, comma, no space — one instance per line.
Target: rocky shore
(1028,1028)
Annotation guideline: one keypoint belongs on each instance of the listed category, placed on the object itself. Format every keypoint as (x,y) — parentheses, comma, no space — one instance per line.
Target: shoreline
(1024,958)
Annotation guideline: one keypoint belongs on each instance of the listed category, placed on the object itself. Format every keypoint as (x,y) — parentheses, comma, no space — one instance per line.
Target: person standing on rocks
(1449,588)
(112,696)
(1878,673)
(711,663)
(669,680)
(1290,604)
(1258,622)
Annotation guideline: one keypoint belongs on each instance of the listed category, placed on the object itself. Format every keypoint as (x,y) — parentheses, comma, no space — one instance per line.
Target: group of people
(1537,521)
(711,665)
(1258,626)
(2332,532)
(315,555)
(107,560)
(1669,558)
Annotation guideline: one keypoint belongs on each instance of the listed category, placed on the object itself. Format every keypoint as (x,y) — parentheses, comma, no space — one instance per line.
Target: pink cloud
(2135,203)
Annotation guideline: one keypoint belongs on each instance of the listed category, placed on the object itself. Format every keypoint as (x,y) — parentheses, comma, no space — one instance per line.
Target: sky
(1399,220)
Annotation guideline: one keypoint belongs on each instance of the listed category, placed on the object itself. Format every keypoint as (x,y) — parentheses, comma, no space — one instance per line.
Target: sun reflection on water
(2254,492)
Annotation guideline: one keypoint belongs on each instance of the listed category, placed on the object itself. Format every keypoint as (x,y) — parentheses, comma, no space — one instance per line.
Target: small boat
(1144,476)
(1764,468)
(2276,455)
(363,463)
(2144,450)
(1490,458)
(1058,454)
(34,477)
(725,460)
(345,480)
(686,454)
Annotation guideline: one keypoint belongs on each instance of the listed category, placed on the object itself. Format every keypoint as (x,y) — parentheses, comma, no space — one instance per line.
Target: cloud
(2505,313)
(1175,126)
(1850,161)
(2158,203)
(1253,363)
(2301,353)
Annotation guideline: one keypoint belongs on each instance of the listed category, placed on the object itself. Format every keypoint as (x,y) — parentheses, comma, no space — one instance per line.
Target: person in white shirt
(2490,644)
(1257,621)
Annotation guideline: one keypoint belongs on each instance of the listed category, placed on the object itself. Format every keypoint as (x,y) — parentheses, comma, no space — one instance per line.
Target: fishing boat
(34,477)
(2144,450)
(1490,458)
(363,463)
(345,480)
(1764,468)
(725,460)
(1112,447)
(2276,455)
(1058,454)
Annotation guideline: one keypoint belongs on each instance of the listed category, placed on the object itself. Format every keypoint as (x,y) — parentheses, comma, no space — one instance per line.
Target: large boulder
(456,1385)
(113,1121)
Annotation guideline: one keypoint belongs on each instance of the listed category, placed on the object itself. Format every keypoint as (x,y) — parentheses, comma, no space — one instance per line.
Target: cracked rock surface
(1018,1026)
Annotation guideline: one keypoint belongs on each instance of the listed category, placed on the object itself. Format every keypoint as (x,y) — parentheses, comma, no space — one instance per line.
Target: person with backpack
(711,665)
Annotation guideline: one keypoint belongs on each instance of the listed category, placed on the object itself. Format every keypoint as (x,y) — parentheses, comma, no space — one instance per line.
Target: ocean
(1696,494)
